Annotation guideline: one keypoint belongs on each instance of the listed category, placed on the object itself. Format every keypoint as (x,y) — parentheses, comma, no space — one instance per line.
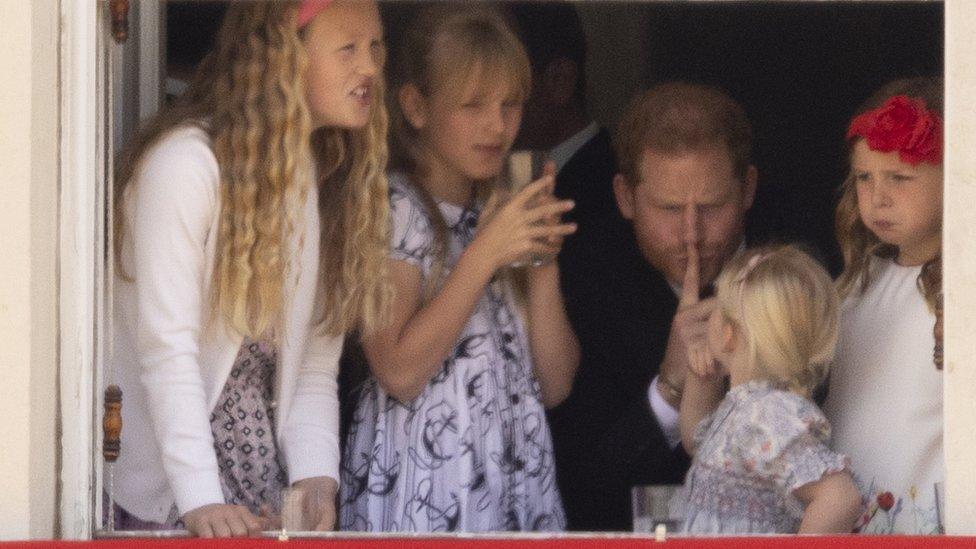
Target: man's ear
(624,193)
(749,187)
(413,105)
(561,77)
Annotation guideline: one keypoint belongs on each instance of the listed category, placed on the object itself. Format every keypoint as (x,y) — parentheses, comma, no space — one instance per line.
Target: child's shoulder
(412,233)
(890,287)
(878,268)
(180,164)
(781,400)
(188,141)
(788,414)
(404,197)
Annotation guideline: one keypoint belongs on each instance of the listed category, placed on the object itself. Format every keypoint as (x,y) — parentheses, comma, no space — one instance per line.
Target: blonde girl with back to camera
(450,431)
(250,235)
(761,459)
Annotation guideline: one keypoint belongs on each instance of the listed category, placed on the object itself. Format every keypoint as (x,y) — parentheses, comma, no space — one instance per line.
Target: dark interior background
(799,68)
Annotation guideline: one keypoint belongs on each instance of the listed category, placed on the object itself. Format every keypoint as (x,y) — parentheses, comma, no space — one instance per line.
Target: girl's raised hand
(549,170)
(518,228)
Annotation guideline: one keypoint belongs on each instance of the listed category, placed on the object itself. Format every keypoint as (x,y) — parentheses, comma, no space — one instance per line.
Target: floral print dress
(753,451)
(472,452)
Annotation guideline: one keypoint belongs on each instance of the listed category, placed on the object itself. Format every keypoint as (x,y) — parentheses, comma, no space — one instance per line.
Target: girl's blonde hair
(858,244)
(447,48)
(249,95)
(786,307)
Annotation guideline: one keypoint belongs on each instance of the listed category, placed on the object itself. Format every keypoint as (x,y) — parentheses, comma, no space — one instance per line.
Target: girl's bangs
(476,73)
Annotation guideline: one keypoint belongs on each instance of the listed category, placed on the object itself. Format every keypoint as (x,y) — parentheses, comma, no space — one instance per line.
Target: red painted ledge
(564,542)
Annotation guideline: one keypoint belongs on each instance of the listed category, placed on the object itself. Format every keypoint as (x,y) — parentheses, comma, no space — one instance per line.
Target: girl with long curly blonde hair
(250,234)
(885,394)
(449,432)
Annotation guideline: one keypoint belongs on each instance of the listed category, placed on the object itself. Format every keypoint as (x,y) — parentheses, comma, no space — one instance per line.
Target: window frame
(85,168)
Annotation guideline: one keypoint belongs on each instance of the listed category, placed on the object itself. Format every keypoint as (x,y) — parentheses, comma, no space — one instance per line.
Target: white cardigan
(172,368)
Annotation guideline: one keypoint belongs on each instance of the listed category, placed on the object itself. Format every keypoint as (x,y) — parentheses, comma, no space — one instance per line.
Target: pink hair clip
(309,9)
(740,279)
(750,265)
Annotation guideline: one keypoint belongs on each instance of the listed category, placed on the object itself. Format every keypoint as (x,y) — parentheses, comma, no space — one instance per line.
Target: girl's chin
(483,173)
(887,240)
(342,121)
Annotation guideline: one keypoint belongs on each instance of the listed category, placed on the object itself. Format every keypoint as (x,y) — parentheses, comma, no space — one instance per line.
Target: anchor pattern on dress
(472,452)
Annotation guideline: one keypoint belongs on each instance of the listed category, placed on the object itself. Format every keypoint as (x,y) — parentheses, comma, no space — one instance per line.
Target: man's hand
(687,348)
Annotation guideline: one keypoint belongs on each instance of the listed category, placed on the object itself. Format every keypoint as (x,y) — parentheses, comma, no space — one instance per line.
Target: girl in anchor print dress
(449,433)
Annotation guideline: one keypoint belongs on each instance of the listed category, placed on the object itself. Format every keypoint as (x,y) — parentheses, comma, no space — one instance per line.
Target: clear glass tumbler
(657,504)
(524,167)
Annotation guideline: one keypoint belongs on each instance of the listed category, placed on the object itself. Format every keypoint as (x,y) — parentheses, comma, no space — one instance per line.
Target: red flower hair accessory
(309,9)
(902,124)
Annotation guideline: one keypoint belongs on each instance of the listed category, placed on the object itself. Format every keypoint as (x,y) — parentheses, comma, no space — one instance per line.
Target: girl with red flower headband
(885,394)
(250,236)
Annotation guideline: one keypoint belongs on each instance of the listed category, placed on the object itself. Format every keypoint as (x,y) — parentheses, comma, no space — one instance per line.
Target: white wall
(28,241)
(44,245)
(15,100)
(960,267)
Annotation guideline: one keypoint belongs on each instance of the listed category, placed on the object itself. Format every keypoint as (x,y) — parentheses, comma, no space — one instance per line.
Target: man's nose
(692,225)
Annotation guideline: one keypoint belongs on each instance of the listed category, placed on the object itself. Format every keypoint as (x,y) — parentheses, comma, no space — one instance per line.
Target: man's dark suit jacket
(605,436)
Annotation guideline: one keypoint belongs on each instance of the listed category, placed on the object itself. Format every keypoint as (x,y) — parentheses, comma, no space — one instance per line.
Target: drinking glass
(293,509)
(524,167)
(657,504)
(301,509)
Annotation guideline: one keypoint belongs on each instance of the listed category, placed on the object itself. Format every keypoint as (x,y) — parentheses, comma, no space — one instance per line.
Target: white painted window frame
(88,72)
(83,183)
(151,23)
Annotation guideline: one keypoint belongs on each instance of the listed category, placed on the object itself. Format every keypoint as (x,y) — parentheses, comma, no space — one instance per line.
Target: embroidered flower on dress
(886,501)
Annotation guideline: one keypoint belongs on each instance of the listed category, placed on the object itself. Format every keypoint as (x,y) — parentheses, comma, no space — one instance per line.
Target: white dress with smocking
(760,445)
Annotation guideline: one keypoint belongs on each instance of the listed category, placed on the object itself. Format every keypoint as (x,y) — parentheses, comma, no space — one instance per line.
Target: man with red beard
(685,182)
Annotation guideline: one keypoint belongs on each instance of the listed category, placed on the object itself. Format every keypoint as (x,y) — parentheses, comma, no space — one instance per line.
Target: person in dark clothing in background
(620,273)
(555,118)
(605,436)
